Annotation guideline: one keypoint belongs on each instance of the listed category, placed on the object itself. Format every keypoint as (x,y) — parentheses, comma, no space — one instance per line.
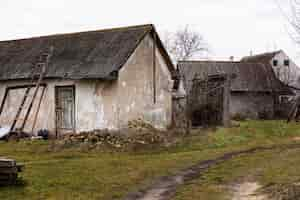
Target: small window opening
(275,63)
(286,63)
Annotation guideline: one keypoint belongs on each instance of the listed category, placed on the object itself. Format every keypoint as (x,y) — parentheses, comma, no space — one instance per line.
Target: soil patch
(248,191)
(165,187)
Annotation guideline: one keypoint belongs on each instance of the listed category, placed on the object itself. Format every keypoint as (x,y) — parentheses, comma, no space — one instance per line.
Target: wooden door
(65,108)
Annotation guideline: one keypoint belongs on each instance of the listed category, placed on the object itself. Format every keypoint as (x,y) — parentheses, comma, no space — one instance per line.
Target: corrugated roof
(254,77)
(83,55)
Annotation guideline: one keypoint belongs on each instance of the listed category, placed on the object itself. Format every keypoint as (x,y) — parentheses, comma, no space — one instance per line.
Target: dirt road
(165,187)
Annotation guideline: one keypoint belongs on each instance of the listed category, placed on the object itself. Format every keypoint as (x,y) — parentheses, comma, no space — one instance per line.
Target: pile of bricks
(9,171)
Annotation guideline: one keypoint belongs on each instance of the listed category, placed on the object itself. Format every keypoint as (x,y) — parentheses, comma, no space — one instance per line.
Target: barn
(284,67)
(94,80)
(253,87)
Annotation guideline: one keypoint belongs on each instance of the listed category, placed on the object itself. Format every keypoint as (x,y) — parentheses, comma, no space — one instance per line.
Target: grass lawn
(73,174)
(268,168)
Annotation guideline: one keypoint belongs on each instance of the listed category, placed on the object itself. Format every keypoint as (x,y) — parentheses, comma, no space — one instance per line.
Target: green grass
(279,167)
(267,168)
(72,174)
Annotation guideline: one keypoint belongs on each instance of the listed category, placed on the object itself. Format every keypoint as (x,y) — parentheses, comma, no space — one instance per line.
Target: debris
(36,138)
(133,139)
(44,134)
(295,111)
(17,135)
(4,131)
(140,125)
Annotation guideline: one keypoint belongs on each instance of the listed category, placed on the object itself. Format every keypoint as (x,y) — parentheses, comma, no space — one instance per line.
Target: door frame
(59,130)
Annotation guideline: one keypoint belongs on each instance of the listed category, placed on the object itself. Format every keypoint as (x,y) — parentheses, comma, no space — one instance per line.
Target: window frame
(286,62)
(275,63)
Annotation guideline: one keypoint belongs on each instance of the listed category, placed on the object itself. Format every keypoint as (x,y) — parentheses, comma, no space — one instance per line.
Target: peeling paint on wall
(108,105)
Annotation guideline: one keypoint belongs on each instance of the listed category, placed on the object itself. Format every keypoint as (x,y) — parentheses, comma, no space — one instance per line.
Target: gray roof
(250,77)
(83,55)
(261,58)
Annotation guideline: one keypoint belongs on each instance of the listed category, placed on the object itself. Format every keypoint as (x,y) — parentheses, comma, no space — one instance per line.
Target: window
(275,63)
(286,63)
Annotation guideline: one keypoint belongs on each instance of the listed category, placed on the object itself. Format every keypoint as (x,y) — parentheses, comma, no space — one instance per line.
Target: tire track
(165,187)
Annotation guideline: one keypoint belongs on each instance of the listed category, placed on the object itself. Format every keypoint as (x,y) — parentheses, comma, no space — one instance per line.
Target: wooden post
(226,103)
(154,67)
(3,100)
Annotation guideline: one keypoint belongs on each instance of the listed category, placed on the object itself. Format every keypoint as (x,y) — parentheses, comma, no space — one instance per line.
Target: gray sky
(230,27)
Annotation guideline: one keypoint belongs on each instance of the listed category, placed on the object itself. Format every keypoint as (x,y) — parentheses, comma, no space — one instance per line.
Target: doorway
(65,108)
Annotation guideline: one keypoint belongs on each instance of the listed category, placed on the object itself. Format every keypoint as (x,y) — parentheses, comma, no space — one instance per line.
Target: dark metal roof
(83,55)
(250,77)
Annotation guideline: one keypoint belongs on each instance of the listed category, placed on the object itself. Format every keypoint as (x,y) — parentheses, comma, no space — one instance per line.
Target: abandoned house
(94,80)
(253,90)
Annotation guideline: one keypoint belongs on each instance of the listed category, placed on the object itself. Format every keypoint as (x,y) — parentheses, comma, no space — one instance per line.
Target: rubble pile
(137,134)
(140,126)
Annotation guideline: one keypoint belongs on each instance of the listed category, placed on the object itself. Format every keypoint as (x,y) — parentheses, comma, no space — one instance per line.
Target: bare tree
(294,19)
(185,44)
(291,11)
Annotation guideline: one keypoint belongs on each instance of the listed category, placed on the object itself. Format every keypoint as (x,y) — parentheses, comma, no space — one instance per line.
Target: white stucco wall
(135,89)
(46,117)
(288,74)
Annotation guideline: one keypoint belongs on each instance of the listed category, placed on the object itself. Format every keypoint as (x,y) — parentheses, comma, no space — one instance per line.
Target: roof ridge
(227,62)
(150,26)
(220,61)
(263,54)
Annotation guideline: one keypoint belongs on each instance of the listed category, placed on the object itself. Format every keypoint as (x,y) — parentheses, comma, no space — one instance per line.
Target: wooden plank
(12,180)
(14,88)
(8,176)
(3,100)
(7,162)
(154,67)
(8,170)
(20,109)
(46,59)
(24,86)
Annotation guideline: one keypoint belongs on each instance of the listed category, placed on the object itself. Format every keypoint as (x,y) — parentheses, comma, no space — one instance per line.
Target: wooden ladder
(38,72)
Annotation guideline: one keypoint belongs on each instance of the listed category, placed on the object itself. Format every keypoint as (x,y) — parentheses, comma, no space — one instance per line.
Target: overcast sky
(230,27)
